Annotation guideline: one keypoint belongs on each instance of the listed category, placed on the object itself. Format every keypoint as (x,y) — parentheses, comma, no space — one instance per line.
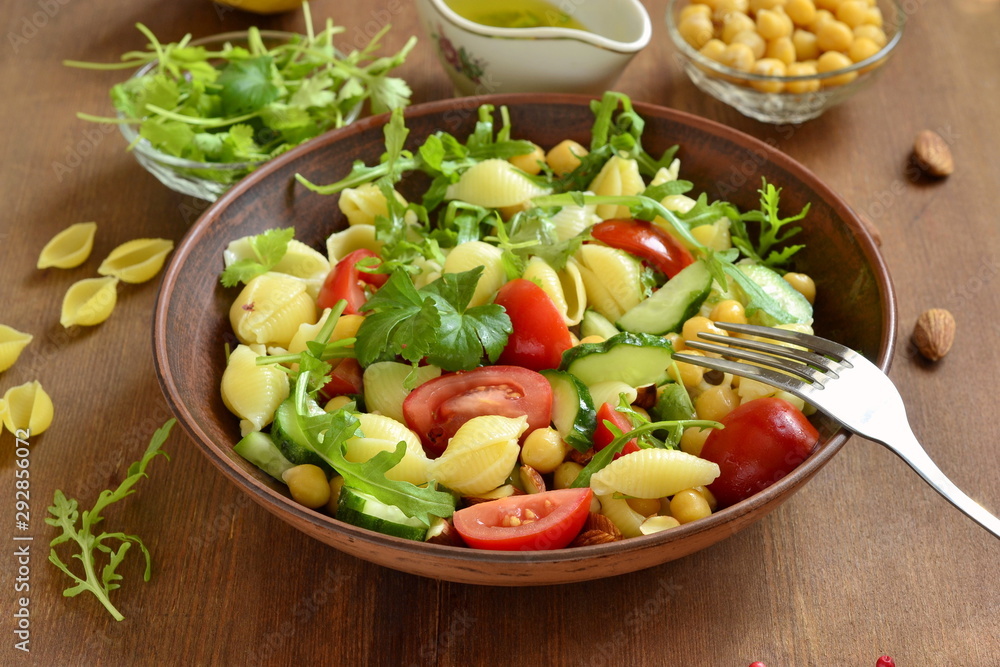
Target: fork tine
(821,345)
(803,356)
(781,380)
(800,370)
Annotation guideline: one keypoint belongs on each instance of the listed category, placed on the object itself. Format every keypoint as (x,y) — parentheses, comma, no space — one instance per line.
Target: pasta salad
(492,366)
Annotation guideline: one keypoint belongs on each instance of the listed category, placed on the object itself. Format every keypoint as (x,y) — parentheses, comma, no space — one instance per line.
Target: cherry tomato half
(345,379)
(531,522)
(763,440)
(540,334)
(435,409)
(345,282)
(646,241)
(603,435)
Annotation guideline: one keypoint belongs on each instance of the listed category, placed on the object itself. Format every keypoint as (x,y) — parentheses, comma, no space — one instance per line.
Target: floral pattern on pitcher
(461,60)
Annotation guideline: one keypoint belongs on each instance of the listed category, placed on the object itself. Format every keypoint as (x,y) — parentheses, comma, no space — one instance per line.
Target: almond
(443,532)
(589,537)
(932,155)
(531,480)
(934,333)
(602,523)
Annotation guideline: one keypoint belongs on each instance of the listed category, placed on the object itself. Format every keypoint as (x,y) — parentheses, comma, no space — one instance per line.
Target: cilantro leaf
(246,85)
(432,323)
(65,515)
(268,249)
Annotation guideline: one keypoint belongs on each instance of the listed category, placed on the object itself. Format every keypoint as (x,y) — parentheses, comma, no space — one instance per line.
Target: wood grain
(864,560)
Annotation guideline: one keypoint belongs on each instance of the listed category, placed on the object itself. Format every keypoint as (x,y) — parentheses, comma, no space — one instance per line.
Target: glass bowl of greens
(201,114)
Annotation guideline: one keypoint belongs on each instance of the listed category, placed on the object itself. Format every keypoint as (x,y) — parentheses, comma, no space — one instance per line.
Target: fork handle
(906,446)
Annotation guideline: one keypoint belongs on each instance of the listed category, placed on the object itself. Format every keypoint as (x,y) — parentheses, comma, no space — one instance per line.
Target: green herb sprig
(77,526)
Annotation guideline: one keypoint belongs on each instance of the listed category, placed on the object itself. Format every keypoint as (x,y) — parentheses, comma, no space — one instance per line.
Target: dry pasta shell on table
(481,454)
(89,302)
(494,183)
(12,343)
(653,473)
(252,392)
(28,408)
(69,248)
(611,277)
(382,434)
(478,253)
(618,176)
(136,261)
(270,309)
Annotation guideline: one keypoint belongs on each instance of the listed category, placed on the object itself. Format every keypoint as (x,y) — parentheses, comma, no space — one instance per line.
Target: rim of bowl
(279,503)
(137,143)
(586,36)
(693,54)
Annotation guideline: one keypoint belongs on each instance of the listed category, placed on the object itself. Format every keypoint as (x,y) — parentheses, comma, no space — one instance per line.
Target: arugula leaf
(268,249)
(65,515)
(771,229)
(432,323)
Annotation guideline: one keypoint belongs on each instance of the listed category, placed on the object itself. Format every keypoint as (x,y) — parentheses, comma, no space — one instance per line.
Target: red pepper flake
(757,664)
(248,307)
(885,661)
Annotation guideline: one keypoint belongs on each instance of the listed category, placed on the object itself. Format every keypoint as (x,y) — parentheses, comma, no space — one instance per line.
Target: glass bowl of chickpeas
(784,61)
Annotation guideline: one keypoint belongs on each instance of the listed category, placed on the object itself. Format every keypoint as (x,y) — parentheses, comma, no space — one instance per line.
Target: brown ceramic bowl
(856,307)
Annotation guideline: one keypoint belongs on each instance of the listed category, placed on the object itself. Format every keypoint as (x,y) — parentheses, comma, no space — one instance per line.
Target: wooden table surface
(866,560)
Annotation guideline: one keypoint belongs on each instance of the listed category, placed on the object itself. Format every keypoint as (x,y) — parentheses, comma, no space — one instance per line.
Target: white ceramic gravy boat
(482,59)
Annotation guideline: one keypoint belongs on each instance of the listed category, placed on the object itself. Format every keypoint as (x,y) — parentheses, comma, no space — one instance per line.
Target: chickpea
(695,10)
(565,474)
(781,49)
(709,497)
(803,284)
(834,36)
(872,32)
(530,163)
(802,12)
(645,506)
(724,8)
(592,338)
(772,24)
(862,48)
(852,12)
(713,49)
(696,31)
(336,403)
(756,44)
(693,439)
(757,5)
(768,67)
(805,45)
(823,16)
(699,324)
(544,450)
(875,17)
(336,484)
(828,5)
(716,402)
(832,61)
(688,374)
(689,505)
(308,485)
(734,24)
(565,156)
(730,311)
(739,56)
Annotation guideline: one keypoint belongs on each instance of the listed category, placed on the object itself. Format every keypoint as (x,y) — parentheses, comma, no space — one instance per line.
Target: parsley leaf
(268,249)
(76,526)
(772,229)
(432,323)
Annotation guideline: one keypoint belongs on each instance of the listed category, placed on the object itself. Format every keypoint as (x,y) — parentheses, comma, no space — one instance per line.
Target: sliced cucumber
(637,359)
(791,301)
(674,403)
(573,410)
(671,305)
(289,437)
(365,511)
(595,324)
(259,449)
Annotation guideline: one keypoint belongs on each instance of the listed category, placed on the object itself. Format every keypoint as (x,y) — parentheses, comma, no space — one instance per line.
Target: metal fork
(841,383)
